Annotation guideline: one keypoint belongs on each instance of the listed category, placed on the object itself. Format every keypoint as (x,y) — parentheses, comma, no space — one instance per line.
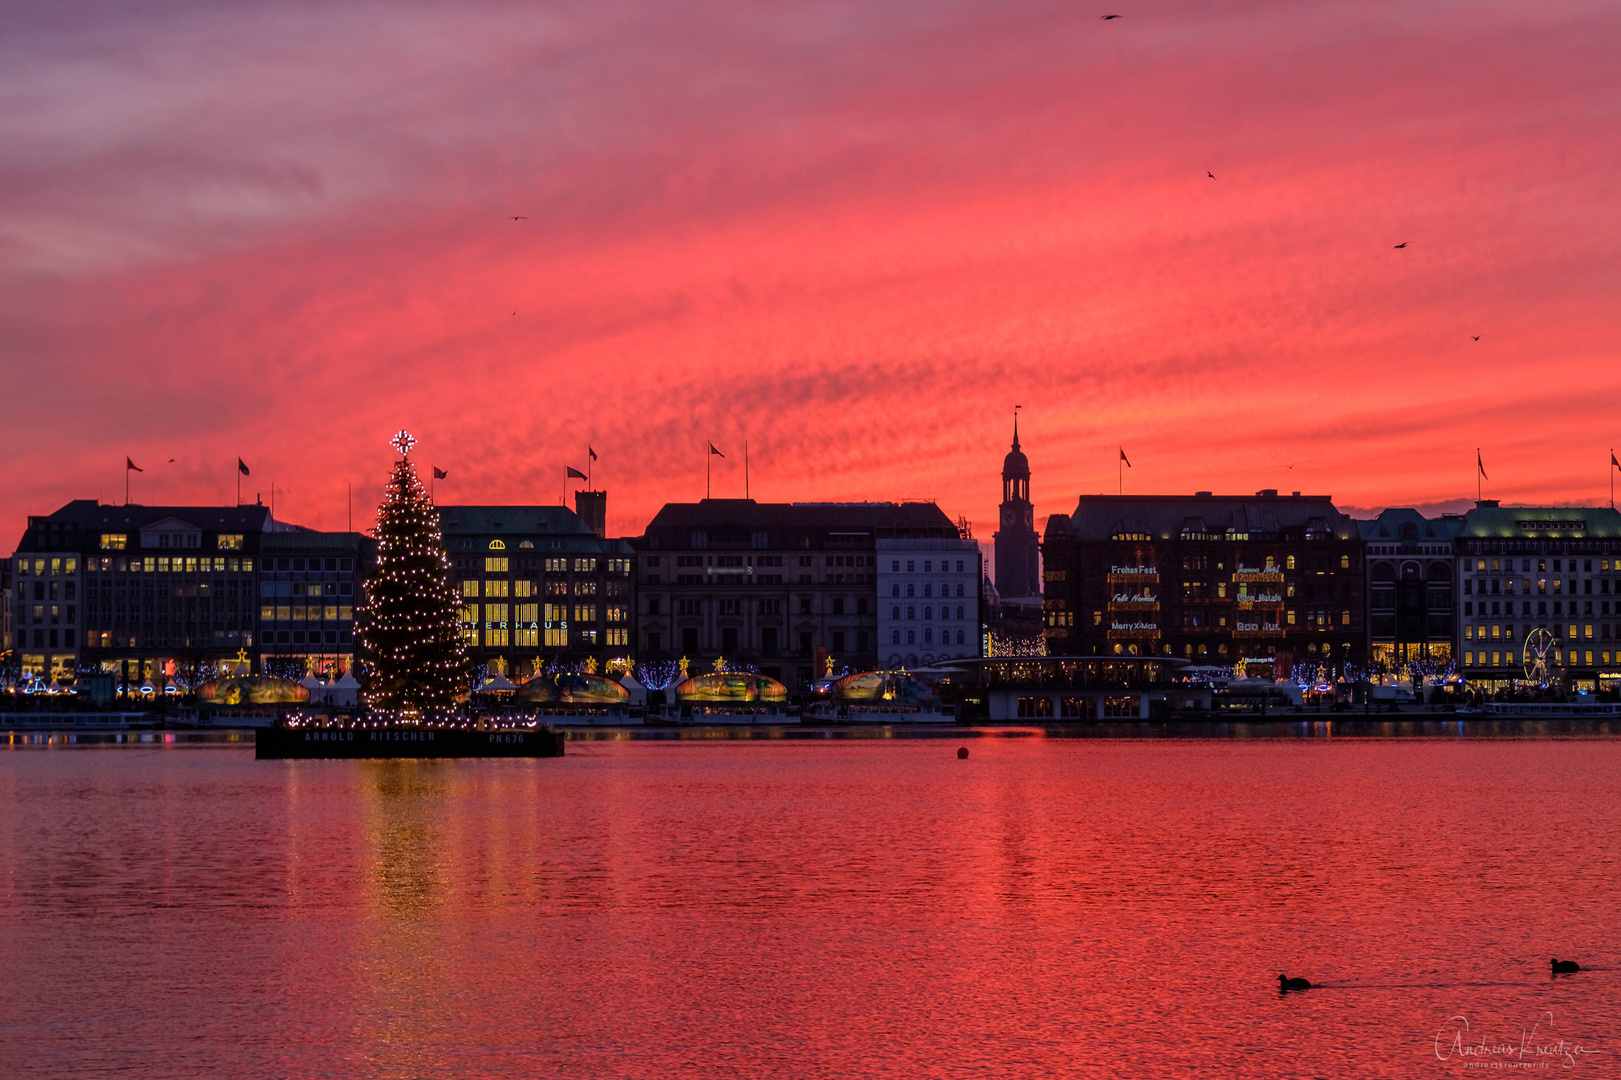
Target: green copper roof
(1541,523)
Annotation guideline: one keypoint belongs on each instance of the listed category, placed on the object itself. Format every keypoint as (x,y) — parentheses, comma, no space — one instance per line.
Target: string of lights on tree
(409,622)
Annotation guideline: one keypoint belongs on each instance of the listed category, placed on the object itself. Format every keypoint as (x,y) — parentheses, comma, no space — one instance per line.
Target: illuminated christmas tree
(409,622)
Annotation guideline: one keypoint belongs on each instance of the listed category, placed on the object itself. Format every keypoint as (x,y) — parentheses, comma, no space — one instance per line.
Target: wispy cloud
(854,235)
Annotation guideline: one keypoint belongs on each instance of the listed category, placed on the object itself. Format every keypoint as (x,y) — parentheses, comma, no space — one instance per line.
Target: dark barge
(405,742)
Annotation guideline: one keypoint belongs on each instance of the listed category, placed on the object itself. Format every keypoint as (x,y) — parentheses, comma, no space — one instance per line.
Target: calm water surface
(1048,907)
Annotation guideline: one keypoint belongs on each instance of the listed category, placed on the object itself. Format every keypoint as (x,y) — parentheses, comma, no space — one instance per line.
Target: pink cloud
(854,237)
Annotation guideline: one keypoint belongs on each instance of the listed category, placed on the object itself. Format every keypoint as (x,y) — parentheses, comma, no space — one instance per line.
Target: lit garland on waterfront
(658,674)
(409,622)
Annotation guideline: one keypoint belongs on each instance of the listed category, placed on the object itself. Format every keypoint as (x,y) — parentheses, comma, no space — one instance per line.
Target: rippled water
(801,909)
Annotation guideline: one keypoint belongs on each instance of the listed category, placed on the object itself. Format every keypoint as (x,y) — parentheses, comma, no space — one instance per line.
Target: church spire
(1015,427)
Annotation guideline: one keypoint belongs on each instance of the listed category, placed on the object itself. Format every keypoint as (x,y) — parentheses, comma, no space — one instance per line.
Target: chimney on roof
(592,506)
(1486,504)
(1201,494)
(1267,493)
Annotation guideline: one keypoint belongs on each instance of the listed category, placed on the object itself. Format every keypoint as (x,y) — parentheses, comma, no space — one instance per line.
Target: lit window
(1289,563)
(495,565)
(227,542)
(556,566)
(523,588)
(556,637)
(114,541)
(469,588)
(585,566)
(497,587)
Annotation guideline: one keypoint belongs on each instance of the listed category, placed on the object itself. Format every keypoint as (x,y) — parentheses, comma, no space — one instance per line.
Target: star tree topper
(402,441)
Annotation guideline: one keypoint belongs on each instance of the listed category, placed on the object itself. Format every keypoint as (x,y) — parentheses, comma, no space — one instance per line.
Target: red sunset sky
(854,234)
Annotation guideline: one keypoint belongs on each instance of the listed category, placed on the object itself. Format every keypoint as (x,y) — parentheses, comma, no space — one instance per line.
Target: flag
(1124,458)
(1614,463)
(1481,466)
(438,473)
(242,467)
(129,463)
(573,472)
(592,452)
(717,453)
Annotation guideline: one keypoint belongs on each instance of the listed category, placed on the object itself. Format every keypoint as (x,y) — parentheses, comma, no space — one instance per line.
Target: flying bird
(519,217)
(1476,337)
(1210,174)
(1402,244)
(1106,18)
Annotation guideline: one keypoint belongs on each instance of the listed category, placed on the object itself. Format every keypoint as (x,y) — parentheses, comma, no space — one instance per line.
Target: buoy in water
(962,752)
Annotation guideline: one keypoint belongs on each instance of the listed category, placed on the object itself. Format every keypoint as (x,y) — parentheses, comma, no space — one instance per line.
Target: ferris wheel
(1538,653)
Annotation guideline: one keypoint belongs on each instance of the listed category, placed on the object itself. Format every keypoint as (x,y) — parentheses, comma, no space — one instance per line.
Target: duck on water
(1564,967)
(1286,983)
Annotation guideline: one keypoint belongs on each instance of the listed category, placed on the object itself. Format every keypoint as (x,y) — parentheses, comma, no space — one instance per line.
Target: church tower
(1017,572)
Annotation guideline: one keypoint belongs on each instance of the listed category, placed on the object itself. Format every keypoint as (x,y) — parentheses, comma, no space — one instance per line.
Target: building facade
(783,587)
(1411,592)
(140,591)
(538,584)
(1271,582)
(1540,583)
(309,584)
(1018,554)
(7,644)
(928,600)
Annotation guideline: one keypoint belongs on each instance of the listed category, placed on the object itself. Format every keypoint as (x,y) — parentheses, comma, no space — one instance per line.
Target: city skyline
(1174,232)
(360,509)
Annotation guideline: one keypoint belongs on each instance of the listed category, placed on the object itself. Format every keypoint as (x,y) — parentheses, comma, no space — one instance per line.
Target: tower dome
(1017,549)
(1015,465)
